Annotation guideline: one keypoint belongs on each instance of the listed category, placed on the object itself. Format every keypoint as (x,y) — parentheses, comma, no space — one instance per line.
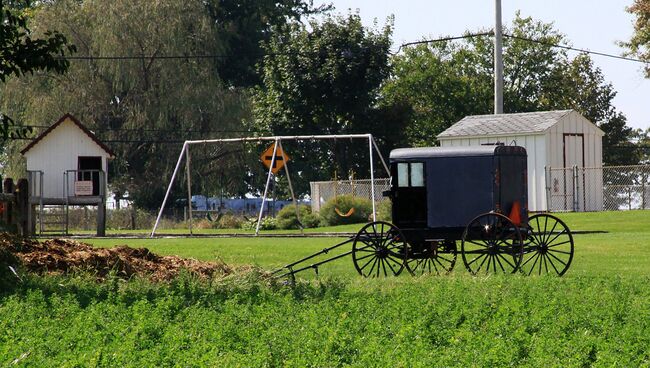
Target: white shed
(67,165)
(559,140)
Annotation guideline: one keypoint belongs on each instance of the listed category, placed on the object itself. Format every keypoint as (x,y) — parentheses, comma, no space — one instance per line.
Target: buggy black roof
(467,151)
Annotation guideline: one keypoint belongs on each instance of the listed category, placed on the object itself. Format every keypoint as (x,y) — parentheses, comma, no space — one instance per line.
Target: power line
(576,49)
(541,42)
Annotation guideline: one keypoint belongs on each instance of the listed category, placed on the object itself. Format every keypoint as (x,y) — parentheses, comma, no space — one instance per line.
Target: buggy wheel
(548,248)
(436,257)
(379,249)
(491,243)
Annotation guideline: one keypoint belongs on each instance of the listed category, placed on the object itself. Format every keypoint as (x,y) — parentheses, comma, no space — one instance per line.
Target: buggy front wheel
(379,250)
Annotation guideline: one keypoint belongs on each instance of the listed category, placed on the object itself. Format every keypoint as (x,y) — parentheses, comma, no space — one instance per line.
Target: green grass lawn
(623,249)
(598,314)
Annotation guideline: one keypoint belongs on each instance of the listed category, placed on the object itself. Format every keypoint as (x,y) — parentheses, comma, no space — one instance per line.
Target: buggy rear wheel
(491,243)
(437,257)
(549,246)
(379,249)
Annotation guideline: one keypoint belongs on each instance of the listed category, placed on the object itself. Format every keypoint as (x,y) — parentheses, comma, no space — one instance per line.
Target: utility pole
(498,60)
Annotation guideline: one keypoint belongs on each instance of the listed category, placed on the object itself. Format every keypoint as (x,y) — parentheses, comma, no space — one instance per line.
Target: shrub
(286,218)
(362,210)
(229,221)
(268,223)
(385,211)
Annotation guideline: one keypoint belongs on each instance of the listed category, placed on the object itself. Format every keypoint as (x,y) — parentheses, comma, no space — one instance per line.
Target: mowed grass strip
(624,249)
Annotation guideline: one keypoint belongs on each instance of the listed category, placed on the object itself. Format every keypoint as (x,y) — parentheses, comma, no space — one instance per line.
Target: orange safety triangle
(515,213)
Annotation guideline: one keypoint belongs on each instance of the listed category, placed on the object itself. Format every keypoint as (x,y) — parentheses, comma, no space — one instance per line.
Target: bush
(362,210)
(385,211)
(286,218)
(229,221)
(268,223)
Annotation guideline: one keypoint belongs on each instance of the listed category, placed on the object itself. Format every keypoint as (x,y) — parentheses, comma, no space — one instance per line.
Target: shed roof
(78,124)
(501,124)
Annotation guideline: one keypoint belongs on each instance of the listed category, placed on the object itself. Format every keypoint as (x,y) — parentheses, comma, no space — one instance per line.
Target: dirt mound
(65,255)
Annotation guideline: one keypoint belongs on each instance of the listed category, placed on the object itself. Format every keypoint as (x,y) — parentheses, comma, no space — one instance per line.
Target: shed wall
(590,182)
(58,152)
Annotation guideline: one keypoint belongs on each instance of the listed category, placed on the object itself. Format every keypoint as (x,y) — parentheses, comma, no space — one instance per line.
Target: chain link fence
(609,188)
(323,191)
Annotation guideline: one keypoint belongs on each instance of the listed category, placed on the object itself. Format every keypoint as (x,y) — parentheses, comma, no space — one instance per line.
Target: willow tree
(142,88)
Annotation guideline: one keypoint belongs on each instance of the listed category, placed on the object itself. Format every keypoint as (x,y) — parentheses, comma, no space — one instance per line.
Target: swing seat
(347,214)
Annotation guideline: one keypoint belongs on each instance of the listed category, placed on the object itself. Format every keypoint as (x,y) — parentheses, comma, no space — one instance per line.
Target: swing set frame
(185,153)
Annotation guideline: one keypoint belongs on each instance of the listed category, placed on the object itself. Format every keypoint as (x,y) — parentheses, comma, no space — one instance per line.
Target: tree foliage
(244,25)
(324,79)
(443,82)
(22,52)
(639,43)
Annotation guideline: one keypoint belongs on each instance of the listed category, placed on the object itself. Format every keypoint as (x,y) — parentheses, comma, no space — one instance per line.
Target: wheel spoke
(553,265)
(556,236)
(391,268)
(558,244)
(505,260)
(383,265)
(364,257)
(477,258)
(559,251)
(534,263)
(559,260)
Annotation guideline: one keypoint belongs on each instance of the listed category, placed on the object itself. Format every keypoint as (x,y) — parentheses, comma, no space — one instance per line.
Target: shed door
(409,194)
(574,155)
(89,168)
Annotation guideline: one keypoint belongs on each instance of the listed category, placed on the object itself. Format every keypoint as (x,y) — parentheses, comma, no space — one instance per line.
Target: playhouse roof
(78,124)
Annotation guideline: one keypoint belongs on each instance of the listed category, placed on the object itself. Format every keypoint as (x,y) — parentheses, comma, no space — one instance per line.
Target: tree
(245,25)
(324,79)
(144,107)
(639,43)
(443,82)
(21,53)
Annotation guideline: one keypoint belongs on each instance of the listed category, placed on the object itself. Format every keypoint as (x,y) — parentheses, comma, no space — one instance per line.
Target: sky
(595,25)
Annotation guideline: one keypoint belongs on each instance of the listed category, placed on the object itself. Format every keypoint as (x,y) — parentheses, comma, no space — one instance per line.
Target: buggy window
(417,174)
(402,174)
(410,174)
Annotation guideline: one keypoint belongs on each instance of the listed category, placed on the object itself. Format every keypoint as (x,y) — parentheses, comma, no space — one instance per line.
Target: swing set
(277,144)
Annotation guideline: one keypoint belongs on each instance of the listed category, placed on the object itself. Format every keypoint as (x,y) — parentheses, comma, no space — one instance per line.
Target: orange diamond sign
(280,158)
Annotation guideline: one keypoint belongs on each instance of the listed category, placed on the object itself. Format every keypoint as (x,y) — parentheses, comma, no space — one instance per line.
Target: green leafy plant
(287,219)
(346,209)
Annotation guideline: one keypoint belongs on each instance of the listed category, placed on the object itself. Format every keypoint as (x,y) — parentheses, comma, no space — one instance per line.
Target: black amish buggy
(450,200)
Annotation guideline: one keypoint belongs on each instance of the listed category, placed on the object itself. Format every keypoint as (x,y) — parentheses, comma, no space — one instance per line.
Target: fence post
(8,187)
(575,188)
(22,204)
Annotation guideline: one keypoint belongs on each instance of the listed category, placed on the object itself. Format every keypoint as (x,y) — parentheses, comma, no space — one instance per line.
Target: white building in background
(67,165)
(554,140)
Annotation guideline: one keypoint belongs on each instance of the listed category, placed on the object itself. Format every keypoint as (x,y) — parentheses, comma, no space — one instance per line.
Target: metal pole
(498,60)
(266,188)
(169,189)
(189,187)
(372,180)
(293,196)
(575,188)
(380,156)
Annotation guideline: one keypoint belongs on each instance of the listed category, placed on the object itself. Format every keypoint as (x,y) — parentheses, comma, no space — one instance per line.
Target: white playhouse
(560,145)
(66,166)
